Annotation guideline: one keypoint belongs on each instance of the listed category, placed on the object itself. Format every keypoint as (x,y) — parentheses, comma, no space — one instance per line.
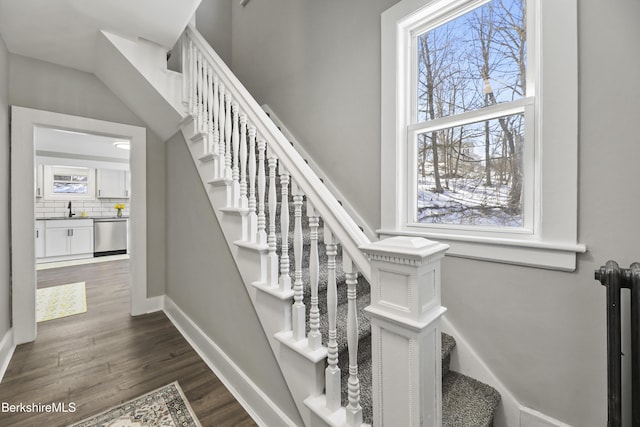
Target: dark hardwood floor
(104,357)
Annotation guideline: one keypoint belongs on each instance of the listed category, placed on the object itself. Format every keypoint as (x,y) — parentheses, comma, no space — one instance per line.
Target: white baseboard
(261,408)
(154,304)
(532,418)
(6,351)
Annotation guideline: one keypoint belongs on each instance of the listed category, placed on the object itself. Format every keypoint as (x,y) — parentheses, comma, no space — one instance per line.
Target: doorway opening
(24,122)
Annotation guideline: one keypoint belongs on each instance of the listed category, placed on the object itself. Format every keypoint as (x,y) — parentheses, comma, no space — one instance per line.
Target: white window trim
(551,241)
(48,185)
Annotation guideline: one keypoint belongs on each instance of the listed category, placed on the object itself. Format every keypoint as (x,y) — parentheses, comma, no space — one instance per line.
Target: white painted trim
(510,412)
(23,261)
(465,360)
(7,347)
(533,418)
(153,304)
(257,403)
(554,168)
(371,234)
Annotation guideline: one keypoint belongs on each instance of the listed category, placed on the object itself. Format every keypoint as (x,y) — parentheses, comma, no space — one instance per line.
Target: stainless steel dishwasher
(110,236)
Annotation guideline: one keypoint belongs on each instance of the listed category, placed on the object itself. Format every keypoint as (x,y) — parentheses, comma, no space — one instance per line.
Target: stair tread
(467,402)
(448,344)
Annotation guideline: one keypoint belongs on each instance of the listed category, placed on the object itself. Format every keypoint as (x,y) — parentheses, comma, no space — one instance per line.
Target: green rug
(60,301)
(164,407)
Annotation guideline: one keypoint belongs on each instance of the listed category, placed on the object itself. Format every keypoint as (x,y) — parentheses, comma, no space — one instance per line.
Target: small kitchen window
(69,182)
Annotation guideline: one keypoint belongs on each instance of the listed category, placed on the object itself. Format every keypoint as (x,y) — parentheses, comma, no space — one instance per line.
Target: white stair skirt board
(6,352)
(532,418)
(510,413)
(261,408)
(466,361)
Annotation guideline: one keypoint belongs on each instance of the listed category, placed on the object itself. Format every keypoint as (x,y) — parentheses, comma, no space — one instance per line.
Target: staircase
(310,270)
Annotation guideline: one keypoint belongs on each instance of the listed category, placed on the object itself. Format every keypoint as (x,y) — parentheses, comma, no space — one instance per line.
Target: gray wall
(213,21)
(203,281)
(45,86)
(5,278)
(317,64)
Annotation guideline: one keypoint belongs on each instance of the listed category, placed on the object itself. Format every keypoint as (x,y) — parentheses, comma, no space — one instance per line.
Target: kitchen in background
(82,190)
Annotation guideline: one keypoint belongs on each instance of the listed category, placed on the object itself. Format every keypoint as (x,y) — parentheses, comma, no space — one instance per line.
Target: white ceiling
(65,32)
(78,145)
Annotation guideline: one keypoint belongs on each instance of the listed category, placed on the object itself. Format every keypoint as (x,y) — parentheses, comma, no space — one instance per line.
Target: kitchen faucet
(70,214)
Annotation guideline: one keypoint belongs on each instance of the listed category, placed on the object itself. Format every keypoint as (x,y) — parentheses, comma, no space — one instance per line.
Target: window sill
(531,253)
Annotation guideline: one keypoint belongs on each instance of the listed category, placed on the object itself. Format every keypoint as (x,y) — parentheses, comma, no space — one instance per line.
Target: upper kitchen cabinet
(39,190)
(112,183)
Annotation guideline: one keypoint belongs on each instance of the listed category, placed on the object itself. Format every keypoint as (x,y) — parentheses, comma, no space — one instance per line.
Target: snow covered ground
(466,202)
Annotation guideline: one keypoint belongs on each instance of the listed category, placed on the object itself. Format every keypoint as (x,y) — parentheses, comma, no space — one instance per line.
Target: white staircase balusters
(191,69)
(196,89)
(194,82)
(332,373)
(261,234)
(285,279)
(210,119)
(315,336)
(252,205)
(184,61)
(205,106)
(354,410)
(216,126)
(243,202)
(222,124)
(235,170)
(227,142)
(199,85)
(298,309)
(272,257)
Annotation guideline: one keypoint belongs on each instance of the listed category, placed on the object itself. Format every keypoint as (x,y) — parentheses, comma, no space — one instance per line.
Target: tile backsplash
(93,208)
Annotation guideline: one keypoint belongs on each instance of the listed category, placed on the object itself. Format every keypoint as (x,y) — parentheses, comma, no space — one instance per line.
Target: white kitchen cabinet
(57,241)
(39,239)
(39,189)
(81,240)
(112,183)
(71,238)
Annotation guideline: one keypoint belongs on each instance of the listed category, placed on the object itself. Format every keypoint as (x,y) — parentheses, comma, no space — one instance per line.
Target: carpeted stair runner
(465,401)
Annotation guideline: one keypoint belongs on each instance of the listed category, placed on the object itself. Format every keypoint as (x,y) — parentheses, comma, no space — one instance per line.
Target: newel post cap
(405,250)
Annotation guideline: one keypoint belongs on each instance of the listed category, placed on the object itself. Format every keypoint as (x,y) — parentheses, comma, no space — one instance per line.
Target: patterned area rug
(60,301)
(164,407)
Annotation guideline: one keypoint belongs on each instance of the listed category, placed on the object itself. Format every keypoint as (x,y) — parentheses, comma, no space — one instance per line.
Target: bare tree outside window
(471,173)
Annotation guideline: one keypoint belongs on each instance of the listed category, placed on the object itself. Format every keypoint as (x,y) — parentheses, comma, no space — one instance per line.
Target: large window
(469,156)
(479,127)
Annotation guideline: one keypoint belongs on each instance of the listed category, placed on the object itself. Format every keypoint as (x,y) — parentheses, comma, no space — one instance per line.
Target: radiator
(615,279)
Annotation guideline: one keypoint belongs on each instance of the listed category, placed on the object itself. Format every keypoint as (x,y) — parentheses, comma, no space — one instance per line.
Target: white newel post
(405,315)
